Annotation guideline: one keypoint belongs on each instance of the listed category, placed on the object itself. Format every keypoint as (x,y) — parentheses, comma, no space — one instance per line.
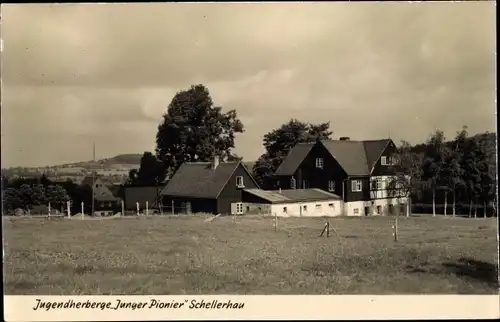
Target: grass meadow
(188,255)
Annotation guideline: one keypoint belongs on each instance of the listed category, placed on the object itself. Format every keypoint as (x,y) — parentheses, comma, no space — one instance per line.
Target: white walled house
(289,203)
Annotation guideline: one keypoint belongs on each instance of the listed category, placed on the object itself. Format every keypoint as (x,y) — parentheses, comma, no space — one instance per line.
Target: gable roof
(101,192)
(357,158)
(373,150)
(197,179)
(294,158)
(293,195)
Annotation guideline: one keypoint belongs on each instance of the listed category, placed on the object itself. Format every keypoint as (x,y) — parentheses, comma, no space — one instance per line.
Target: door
(367,211)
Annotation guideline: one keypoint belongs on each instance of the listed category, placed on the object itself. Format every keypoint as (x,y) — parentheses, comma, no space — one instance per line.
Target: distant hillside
(121,159)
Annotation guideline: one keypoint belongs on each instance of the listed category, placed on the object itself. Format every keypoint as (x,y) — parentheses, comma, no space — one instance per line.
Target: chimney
(344,138)
(215,162)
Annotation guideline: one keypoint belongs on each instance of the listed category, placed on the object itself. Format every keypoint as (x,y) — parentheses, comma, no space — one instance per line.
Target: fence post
(327,229)
(83,209)
(275,222)
(395,227)
(147,208)
(137,207)
(172,206)
(68,209)
(123,208)
(49,209)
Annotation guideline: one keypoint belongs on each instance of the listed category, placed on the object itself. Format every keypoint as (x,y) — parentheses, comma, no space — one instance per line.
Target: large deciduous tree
(280,141)
(193,129)
(149,172)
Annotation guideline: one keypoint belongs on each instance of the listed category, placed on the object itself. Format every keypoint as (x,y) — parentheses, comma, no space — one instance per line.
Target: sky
(74,74)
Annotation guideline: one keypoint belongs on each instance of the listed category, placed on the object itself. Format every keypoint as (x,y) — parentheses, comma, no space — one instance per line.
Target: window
(284,210)
(379,184)
(379,210)
(292,183)
(331,186)
(319,163)
(356,185)
(239,181)
(383,161)
(318,207)
(355,211)
(331,205)
(304,208)
(239,208)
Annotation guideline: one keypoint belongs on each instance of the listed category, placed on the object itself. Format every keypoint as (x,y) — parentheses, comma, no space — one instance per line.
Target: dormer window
(239,182)
(293,183)
(319,163)
(383,161)
(331,186)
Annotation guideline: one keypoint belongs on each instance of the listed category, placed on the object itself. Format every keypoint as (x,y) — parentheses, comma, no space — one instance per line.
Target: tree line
(23,194)
(459,174)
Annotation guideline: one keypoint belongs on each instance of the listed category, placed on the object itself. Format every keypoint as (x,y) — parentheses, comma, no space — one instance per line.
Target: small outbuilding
(289,203)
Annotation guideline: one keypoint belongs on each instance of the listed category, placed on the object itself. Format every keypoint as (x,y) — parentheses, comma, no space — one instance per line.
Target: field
(187,255)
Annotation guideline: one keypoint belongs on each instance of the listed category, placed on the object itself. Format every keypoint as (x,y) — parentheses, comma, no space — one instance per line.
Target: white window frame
(379,184)
(331,185)
(293,183)
(356,186)
(383,160)
(239,182)
(239,208)
(319,163)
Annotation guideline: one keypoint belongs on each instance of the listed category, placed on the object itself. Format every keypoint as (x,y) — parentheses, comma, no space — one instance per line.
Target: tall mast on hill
(93,180)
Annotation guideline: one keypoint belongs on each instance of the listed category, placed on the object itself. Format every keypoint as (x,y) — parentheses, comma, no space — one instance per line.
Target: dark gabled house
(209,187)
(358,171)
(104,199)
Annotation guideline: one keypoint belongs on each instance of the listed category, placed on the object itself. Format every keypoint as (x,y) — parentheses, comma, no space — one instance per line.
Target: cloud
(73,73)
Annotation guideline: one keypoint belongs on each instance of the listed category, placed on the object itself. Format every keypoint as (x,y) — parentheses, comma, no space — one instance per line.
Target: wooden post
(68,209)
(137,207)
(395,233)
(123,208)
(172,207)
(147,208)
(83,209)
(49,209)
(327,229)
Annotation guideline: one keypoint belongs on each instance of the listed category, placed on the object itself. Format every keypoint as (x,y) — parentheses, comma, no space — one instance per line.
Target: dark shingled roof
(294,158)
(197,179)
(293,195)
(357,158)
(374,149)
